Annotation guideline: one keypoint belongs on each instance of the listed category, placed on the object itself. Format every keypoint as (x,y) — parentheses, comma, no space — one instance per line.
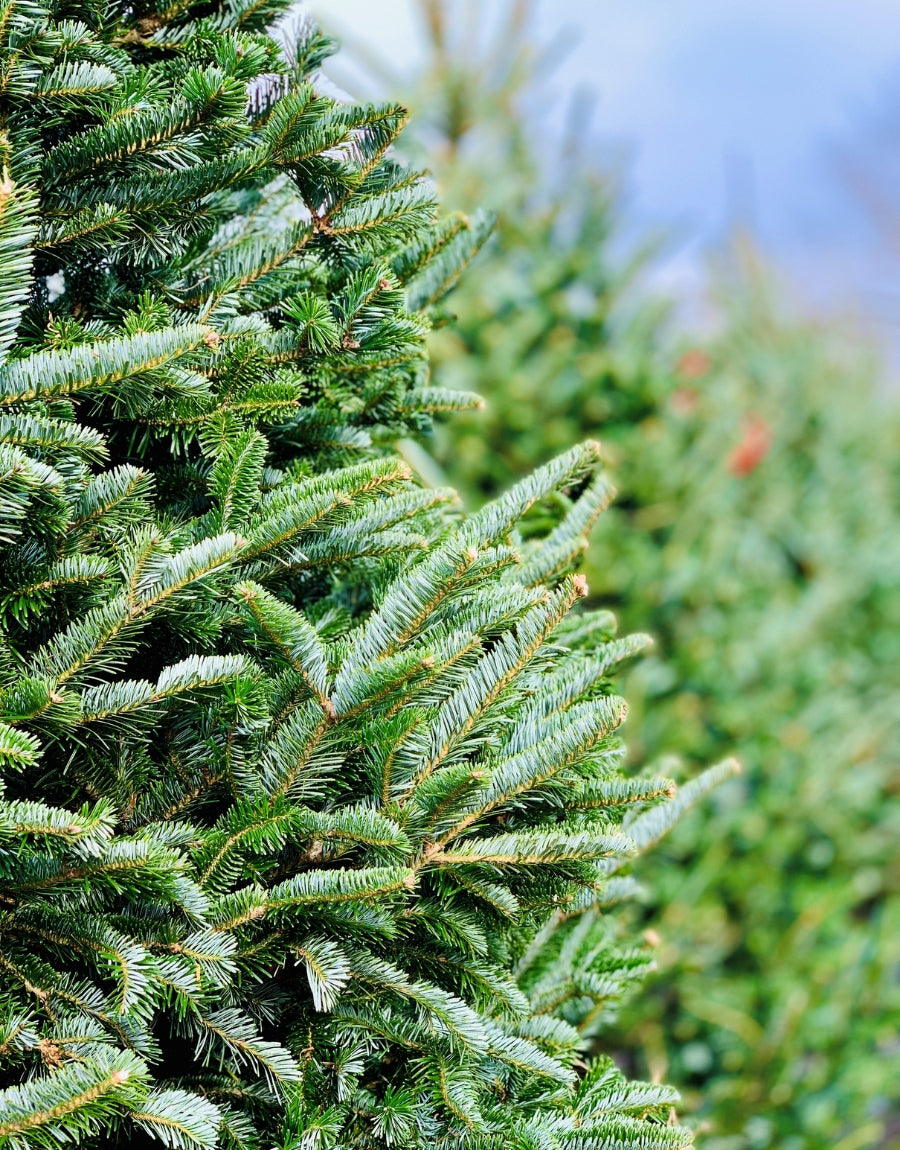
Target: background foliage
(756,532)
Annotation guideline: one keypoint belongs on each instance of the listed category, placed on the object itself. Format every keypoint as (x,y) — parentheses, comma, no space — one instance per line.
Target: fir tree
(551,326)
(313,791)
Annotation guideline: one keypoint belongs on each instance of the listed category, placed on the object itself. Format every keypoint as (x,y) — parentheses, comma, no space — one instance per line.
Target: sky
(747,111)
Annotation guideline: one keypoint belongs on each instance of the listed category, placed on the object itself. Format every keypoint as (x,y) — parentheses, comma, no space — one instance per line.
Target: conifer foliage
(311,785)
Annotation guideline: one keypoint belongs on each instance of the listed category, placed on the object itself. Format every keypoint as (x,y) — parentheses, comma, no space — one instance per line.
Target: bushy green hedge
(757,532)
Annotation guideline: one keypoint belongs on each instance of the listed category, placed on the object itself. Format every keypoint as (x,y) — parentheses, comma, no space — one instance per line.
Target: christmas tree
(313,796)
(778,454)
(754,536)
(552,325)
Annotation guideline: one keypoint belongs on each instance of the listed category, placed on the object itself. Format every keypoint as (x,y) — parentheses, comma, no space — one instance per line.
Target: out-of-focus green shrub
(757,531)
(765,539)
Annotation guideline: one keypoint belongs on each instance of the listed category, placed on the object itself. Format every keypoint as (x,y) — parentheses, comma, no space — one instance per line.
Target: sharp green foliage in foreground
(756,536)
(312,797)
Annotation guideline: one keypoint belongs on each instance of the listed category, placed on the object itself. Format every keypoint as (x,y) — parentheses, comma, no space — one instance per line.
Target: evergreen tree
(312,786)
(551,325)
(755,535)
(770,538)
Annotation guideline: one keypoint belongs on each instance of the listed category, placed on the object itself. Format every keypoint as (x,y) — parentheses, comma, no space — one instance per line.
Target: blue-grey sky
(730,108)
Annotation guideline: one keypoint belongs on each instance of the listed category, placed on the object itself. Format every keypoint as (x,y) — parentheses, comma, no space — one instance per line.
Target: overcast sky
(728,108)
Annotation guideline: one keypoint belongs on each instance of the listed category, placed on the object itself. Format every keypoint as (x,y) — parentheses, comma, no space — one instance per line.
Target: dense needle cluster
(312,791)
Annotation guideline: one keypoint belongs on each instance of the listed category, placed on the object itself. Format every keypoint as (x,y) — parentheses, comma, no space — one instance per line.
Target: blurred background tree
(757,534)
(765,547)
